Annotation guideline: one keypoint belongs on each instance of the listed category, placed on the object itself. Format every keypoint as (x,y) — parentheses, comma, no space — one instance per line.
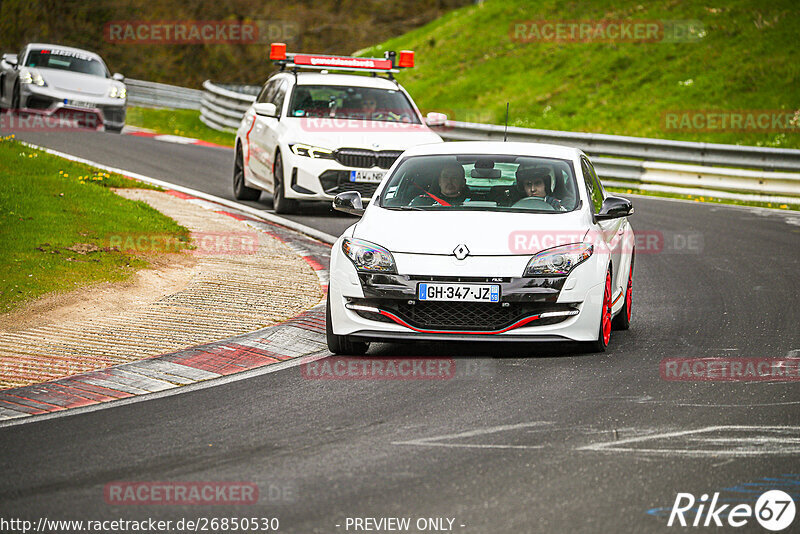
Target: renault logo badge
(461,251)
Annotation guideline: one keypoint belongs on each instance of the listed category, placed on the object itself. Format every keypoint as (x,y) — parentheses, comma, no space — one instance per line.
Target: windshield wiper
(404,208)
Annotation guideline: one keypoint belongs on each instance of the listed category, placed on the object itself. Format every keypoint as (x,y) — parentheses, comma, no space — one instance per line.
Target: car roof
(61,47)
(496,147)
(349,80)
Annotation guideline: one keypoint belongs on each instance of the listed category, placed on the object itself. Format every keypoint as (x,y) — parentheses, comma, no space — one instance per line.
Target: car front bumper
(385,307)
(111,112)
(323,179)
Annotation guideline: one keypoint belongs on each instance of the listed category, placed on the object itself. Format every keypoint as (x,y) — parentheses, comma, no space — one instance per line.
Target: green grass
(48,205)
(183,122)
(469,67)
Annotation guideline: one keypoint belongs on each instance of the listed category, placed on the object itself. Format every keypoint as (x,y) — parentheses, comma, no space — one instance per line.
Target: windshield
(343,102)
(65,60)
(483,183)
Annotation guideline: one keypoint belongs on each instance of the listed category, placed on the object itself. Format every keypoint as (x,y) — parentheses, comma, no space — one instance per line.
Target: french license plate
(372,177)
(80,104)
(459,292)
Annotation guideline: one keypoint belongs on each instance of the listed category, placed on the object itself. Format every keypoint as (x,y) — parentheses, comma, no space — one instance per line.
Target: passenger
(535,183)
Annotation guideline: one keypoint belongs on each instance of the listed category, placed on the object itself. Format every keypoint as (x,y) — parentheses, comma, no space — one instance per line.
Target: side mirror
(613,208)
(435,119)
(267,109)
(118,77)
(11,59)
(349,202)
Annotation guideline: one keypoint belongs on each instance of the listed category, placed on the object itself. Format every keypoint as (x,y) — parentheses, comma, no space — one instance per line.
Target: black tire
(280,203)
(15,99)
(114,129)
(341,344)
(601,343)
(622,321)
(241,191)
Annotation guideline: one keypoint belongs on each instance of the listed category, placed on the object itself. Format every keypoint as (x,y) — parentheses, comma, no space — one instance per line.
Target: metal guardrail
(634,160)
(222,106)
(161,95)
(634,147)
(650,161)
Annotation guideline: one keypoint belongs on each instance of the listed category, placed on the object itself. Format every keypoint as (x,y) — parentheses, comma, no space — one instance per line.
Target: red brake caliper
(607,311)
(629,295)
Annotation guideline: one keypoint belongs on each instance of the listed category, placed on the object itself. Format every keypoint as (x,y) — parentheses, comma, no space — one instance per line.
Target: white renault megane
(483,241)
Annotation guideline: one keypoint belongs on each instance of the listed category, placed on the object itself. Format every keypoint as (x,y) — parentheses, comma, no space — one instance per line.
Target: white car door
(259,161)
(264,137)
(611,231)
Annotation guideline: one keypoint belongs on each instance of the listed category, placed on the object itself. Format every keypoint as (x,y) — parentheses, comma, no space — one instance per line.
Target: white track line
(244,375)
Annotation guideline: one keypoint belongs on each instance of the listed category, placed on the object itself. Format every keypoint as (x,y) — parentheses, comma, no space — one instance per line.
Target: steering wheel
(533,203)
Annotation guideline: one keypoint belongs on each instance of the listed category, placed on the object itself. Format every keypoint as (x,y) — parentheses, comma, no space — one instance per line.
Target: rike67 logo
(774,510)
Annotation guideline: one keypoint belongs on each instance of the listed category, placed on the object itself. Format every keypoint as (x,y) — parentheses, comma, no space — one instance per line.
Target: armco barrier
(649,161)
(223,106)
(774,159)
(634,160)
(160,95)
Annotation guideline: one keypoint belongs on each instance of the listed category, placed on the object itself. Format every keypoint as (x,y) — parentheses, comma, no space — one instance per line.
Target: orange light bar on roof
(342,62)
(277,51)
(406,59)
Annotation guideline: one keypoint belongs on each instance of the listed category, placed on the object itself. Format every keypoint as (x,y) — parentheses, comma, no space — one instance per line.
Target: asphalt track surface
(537,438)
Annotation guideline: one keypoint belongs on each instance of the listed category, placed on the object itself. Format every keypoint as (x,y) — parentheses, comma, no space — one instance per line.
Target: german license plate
(372,177)
(80,104)
(459,292)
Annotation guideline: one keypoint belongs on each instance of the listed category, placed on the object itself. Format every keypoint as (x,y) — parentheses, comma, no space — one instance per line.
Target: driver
(535,182)
(452,188)
(370,106)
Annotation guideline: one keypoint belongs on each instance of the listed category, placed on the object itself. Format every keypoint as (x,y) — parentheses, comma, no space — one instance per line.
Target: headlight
(558,260)
(117,92)
(368,257)
(31,77)
(311,151)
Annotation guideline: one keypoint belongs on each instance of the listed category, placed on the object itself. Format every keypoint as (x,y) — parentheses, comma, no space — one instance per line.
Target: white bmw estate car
(312,135)
(483,241)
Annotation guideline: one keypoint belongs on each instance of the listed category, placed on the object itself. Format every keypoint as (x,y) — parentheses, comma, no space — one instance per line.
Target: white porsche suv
(312,135)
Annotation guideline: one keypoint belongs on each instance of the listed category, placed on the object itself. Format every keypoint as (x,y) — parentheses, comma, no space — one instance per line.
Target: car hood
(484,233)
(373,135)
(76,82)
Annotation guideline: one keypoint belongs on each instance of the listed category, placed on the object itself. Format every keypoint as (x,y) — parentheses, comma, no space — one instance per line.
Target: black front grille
(334,182)
(363,158)
(113,114)
(366,190)
(386,158)
(39,102)
(474,316)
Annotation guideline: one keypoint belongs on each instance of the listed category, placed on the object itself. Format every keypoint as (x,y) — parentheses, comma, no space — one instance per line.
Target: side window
(597,181)
(279,95)
(592,187)
(267,92)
